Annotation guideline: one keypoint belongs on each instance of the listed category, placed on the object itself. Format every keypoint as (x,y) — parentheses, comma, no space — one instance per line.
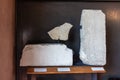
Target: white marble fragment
(61,32)
(46,55)
(93,37)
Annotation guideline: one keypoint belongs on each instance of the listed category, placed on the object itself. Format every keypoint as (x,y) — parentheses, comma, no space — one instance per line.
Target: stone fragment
(93,37)
(46,55)
(61,32)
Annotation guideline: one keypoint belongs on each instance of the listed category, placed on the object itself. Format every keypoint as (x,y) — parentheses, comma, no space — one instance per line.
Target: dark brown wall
(7,39)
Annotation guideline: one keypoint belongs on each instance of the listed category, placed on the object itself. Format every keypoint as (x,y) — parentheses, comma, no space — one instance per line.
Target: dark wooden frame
(17,29)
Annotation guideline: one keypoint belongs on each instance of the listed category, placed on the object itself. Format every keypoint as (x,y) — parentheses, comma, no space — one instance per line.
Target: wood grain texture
(73,70)
(7,39)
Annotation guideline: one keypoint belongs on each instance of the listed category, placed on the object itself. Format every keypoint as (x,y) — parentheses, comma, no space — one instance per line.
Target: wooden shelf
(73,70)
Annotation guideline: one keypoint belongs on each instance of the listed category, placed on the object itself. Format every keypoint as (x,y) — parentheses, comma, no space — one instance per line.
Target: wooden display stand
(32,74)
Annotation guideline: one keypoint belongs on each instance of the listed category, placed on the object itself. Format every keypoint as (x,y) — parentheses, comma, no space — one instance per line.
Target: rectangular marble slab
(93,37)
(46,55)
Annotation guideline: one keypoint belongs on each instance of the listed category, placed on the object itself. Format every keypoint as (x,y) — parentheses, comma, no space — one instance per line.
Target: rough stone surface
(61,32)
(93,37)
(46,55)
